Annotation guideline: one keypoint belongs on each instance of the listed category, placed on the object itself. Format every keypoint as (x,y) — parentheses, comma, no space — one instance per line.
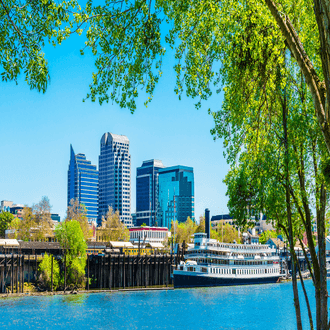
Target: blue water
(241,307)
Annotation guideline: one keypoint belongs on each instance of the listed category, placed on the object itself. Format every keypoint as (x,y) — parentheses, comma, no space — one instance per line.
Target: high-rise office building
(147,192)
(83,183)
(115,177)
(176,195)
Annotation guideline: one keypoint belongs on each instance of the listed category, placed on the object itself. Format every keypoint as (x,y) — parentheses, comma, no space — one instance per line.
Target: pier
(122,271)
(103,272)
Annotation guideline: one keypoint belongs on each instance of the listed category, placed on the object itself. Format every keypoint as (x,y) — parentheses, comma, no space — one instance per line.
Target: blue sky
(37,130)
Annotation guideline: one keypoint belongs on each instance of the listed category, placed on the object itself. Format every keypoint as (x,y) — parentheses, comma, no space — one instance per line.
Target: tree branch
(316,87)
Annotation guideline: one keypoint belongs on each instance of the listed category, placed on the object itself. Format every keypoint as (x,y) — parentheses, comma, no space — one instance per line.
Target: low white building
(148,235)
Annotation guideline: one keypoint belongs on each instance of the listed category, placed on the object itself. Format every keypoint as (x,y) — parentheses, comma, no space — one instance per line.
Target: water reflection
(74,299)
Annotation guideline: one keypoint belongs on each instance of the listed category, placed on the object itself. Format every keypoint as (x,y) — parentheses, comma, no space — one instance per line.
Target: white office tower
(115,177)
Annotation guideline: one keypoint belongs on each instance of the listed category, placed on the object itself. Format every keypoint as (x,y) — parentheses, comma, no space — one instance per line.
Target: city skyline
(38,128)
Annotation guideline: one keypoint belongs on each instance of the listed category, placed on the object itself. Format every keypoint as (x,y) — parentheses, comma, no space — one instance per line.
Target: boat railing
(216,256)
(236,266)
(233,250)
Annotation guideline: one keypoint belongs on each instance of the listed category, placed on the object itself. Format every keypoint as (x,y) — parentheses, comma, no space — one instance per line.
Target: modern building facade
(147,192)
(176,195)
(133,219)
(115,177)
(83,183)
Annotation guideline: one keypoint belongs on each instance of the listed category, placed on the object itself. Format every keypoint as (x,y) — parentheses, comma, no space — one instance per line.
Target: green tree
(26,26)
(78,212)
(127,43)
(14,226)
(189,230)
(41,213)
(36,223)
(45,271)
(201,226)
(266,235)
(5,220)
(71,239)
(113,229)
(25,228)
(227,233)
(276,166)
(126,40)
(183,230)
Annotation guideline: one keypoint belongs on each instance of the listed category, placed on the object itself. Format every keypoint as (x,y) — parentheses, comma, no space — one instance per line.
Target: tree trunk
(305,294)
(289,215)
(322,261)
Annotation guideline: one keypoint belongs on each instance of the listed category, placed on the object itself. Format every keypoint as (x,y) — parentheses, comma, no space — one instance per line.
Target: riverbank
(67,293)
(62,293)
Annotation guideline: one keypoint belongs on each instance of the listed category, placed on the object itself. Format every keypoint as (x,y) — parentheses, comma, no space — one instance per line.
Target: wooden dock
(120,271)
(117,271)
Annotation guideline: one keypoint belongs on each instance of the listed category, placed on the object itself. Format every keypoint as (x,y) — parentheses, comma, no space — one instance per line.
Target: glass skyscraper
(83,183)
(115,177)
(176,195)
(147,192)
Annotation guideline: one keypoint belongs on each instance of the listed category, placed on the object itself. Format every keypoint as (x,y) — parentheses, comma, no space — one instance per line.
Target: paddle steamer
(212,263)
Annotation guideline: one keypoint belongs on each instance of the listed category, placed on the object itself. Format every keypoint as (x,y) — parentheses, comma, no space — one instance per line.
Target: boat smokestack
(207,223)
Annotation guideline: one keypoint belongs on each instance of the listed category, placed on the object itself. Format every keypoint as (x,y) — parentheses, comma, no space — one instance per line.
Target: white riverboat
(212,263)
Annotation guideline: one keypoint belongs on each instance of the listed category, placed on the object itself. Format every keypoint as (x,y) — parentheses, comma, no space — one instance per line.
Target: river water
(241,307)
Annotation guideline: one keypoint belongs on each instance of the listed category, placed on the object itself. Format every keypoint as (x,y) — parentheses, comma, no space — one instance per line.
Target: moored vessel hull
(191,281)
